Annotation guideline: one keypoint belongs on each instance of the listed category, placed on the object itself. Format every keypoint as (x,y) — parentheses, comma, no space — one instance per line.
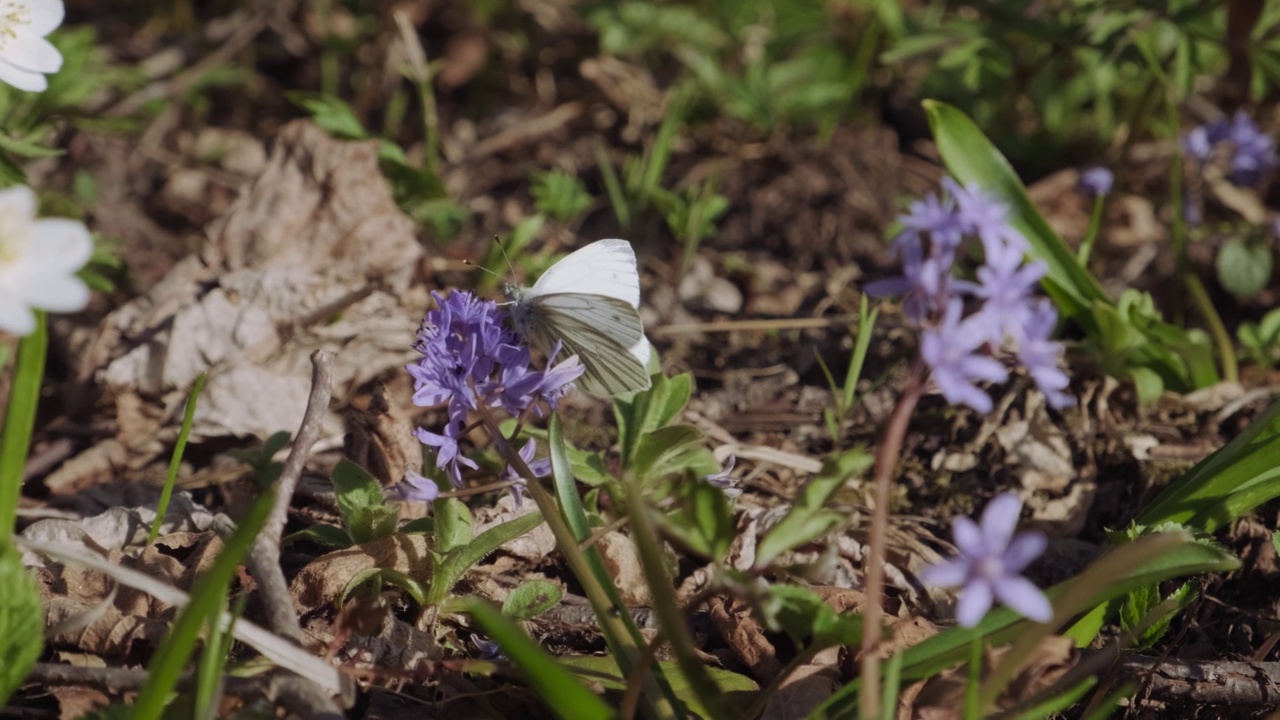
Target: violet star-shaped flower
(1097,181)
(1042,357)
(950,352)
(990,564)
(540,468)
(417,487)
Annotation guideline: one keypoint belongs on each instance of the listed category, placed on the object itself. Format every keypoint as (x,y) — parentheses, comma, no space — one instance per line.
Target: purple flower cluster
(471,359)
(960,349)
(990,564)
(1251,152)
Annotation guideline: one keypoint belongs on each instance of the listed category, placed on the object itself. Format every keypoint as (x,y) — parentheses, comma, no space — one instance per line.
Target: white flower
(25,56)
(38,262)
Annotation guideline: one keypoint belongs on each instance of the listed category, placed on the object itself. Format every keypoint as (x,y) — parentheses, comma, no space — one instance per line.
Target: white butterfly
(588,301)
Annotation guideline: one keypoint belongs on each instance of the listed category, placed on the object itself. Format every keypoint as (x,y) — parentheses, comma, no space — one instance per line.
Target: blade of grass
(207,597)
(556,686)
(179,447)
(866,323)
(20,420)
(213,661)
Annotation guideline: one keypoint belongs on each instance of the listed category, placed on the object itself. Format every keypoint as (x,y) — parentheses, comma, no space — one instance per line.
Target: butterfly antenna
(510,268)
(482,268)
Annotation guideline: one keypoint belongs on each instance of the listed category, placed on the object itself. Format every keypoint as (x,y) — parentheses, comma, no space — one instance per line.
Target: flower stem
(627,649)
(888,453)
(20,421)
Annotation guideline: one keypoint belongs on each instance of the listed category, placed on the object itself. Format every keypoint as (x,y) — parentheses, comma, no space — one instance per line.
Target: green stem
(1221,338)
(628,651)
(662,595)
(1095,225)
(20,421)
(971,704)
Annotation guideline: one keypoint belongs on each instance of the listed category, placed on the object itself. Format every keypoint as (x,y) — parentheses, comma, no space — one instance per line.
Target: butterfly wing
(605,267)
(605,333)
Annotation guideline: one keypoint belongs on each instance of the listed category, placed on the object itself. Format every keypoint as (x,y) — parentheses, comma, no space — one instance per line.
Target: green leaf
(808,518)
(702,521)
(459,560)
(974,161)
(21,622)
(330,113)
(811,623)
(1247,463)
(424,525)
(738,689)
(207,596)
(322,534)
(649,410)
(24,147)
(175,460)
(550,681)
(532,598)
(1244,268)
(673,450)
(362,504)
(453,524)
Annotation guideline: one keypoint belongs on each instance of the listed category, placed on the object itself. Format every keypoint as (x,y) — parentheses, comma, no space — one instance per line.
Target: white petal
(15,317)
(59,245)
(21,79)
(56,293)
(32,53)
(18,200)
(46,16)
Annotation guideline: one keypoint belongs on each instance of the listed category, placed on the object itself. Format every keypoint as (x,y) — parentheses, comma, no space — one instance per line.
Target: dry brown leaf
(745,637)
(77,702)
(1053,657)
(807,687)
(623,565)
(316,236)
(323,579)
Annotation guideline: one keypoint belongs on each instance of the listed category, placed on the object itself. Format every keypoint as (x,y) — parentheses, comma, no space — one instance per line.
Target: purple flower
(724,481)
(950,352)
(470,359)
(416,487)
(990,564)
(1004,285)
(1097,181)
(982,215)
(1042,357)
(539,468)
(1251,152)
(488,649)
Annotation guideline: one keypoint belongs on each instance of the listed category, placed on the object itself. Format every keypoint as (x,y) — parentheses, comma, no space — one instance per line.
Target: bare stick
(264,559)
(294,693)
(1216,682)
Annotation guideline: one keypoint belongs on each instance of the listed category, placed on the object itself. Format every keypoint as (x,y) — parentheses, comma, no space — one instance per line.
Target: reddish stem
(888,452)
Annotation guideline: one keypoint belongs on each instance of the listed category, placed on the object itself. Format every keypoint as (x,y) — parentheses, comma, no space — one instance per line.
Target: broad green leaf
(362,504)
(322,534)
(1244,268)
(1251,459)
(25,147)
(672,450)
(811,623)
(424,525)
(453,524)
(973,160)
(330,113)
(454,564)
(808,518)
(532,598)
(650,410)
(21,622)
(549,680)
(702,521)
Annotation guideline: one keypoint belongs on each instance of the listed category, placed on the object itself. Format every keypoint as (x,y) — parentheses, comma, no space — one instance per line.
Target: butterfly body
(589,303)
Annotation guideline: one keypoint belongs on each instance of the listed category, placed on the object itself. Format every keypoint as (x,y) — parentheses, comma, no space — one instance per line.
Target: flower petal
(15,316)
(59,245)
(967,537)
(1024,548)
(948,573)
(46,16)
(33,54)
(18,201)
(975,601)
(56,293)
(22,79)
(999,520)
(1022,595)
